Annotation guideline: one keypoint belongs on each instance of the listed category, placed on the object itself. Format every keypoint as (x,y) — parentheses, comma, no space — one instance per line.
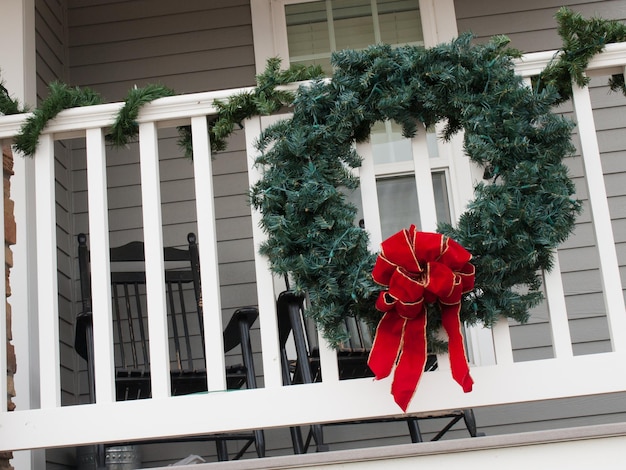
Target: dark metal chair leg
(246,318)
(414,430)
(222,450)
(259,441)
(470,422)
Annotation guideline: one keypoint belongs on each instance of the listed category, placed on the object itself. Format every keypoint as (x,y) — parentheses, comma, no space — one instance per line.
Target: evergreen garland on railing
(125,128)
(61,97)
(582,39)
(266,98)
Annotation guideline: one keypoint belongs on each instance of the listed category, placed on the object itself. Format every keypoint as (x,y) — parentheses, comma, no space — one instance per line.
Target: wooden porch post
(17,63)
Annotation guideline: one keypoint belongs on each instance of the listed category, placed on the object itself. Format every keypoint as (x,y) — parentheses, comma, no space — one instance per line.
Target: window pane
(442,203)
(388,145)
(353,24)
(397,202)
(400,22)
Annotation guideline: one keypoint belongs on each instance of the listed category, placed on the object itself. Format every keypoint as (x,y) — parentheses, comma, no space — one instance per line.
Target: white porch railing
(498,379)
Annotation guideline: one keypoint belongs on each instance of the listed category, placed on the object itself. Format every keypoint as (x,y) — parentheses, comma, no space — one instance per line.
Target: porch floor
(597,446)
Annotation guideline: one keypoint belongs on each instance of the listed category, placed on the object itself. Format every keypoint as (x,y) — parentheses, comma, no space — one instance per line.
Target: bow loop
(440,280)
(404,287)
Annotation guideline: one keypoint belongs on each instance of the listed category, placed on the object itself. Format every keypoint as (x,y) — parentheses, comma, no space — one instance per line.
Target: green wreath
(511,227)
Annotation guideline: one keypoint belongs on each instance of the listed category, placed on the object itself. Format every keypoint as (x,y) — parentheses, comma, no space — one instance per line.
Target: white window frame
(438,25)
(270,26)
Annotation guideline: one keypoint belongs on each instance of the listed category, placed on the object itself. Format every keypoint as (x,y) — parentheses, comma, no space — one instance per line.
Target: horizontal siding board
(232,206)
(158,67)
(232,251)
(476,8)
(161,46)
(582,282)
(551,414)
(231,184)
(584,330)
(614,162)
(580,259)
(583,236)
(206,80)
(534,354)
(238,296)
(237,273)
(50,49)
(530,336)
(586,305)
(591,347)
(139,26)
(234,228)
(85,12)
(514,22)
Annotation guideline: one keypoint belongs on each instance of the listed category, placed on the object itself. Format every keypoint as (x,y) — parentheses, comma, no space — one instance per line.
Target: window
(316,29)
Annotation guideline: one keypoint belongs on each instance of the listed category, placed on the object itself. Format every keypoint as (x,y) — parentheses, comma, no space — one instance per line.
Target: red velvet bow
(418,268)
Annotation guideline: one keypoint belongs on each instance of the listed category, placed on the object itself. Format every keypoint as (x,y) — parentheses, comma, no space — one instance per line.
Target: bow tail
(387,344)
(456,348)
(411,362)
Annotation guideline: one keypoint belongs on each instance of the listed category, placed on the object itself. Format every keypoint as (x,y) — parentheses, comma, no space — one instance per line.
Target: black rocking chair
(186,332)
(352,363)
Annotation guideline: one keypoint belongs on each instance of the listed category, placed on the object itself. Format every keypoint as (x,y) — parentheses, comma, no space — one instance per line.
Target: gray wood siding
(532,27)
(189,46)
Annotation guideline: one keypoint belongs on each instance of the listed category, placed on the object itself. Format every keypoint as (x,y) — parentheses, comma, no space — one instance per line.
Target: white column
(17,67)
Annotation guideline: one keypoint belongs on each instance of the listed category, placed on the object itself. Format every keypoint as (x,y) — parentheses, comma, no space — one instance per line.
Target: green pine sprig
(125,128)
(60,97)
(265,99)
(582,39)
(7,104)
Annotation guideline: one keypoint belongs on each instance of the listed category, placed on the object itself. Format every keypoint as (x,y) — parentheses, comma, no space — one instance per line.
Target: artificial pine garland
(264,100)
(7,104)
(582,39)
(61,97)
(125,127)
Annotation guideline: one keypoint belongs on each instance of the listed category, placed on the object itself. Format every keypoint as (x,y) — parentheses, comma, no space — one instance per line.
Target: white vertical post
(555,297)
(264,278)
(18,64)
(369,196)
(609,268)
(104,364)
(328,361)
(209,273)
(502,342)
(155,266)
(47,281)
(424,183)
